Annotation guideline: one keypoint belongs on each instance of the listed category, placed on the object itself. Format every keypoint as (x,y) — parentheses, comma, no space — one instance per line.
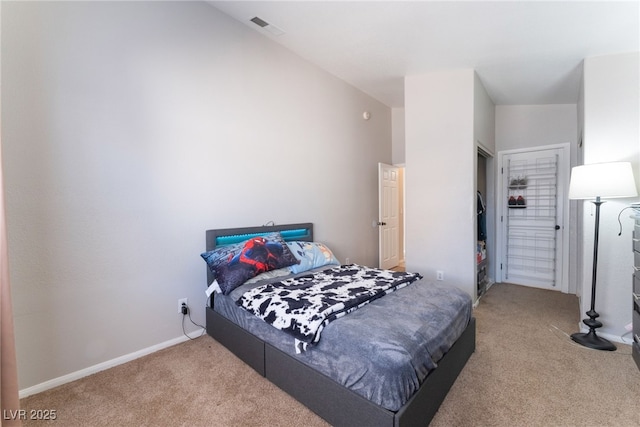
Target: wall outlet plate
(180,302)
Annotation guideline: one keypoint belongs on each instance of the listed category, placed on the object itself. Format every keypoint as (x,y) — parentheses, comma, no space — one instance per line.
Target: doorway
(533,229)
(390,217)
(485,212)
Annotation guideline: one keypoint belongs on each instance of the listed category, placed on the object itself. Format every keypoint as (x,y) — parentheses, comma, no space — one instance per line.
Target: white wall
(129,129)
(484,130)
(526,126)
(484,121)
(577,208)
(398,136)
(439,176)
(611,133)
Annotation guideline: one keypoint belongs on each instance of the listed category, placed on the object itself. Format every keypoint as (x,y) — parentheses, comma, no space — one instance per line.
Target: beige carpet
(525,372)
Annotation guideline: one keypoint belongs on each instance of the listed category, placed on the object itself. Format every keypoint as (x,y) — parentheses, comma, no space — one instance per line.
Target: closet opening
(485,241)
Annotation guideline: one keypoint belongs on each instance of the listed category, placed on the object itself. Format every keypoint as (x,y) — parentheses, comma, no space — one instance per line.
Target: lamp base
(591,340)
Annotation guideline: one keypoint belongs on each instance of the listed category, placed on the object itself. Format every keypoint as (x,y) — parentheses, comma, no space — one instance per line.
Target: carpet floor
(525,371)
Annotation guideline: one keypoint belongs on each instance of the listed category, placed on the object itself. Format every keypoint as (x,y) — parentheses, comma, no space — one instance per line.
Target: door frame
(564,172)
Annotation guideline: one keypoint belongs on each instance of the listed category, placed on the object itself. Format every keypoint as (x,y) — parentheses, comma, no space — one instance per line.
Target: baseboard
(39,388)
(610,337)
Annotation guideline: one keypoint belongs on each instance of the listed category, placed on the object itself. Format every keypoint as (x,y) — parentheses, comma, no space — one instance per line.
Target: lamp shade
(606,180)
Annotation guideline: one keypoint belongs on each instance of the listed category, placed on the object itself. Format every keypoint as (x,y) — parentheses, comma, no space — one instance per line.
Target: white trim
(38,388)
(614,338)
(486,152)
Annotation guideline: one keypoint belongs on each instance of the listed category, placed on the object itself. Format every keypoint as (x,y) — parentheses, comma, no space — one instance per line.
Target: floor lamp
(597,181)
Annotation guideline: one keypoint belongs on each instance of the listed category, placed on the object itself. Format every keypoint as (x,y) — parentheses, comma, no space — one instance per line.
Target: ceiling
(524,52)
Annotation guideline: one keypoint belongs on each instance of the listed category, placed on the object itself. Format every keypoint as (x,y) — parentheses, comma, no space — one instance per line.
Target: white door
(533,218)
(388,216)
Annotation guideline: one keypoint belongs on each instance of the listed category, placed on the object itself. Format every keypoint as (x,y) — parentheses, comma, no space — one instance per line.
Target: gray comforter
(382,351)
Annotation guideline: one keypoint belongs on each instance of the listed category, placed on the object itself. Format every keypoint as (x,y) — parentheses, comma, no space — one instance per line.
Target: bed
(335,376)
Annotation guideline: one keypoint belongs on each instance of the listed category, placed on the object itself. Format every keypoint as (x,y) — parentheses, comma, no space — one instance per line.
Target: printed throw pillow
(311,255)
(234,264)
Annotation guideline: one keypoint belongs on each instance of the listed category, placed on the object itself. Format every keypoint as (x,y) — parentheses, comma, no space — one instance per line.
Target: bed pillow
(272,274)
(234,264)
(311,255)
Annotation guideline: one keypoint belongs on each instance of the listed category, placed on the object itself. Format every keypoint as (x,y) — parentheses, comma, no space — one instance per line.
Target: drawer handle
(637,338)
(636,296)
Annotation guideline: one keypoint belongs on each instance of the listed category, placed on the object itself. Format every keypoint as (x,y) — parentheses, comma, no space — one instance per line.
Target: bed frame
(330,400)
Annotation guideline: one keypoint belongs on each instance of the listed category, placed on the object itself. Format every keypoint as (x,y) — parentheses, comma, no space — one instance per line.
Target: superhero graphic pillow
(234,264)
(311,255)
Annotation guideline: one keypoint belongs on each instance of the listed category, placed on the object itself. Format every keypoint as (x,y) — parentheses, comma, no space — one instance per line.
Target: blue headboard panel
(229,236)
(288,235)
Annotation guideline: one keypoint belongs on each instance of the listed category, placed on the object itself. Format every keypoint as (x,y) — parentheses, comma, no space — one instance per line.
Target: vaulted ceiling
(524,52)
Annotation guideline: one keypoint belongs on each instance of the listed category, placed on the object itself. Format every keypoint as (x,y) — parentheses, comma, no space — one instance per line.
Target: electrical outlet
(181,301)
(439,275)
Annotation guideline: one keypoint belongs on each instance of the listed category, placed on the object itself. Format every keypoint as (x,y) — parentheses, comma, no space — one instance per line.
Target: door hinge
(500,266)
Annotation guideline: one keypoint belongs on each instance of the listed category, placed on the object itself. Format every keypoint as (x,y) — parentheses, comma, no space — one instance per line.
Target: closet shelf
(540,264)
(540,197)
(529,277)
(525,217)
(534,187)
(532,248)
(536,168)
(534,207)
(537,269)
(540,209)
(518,230)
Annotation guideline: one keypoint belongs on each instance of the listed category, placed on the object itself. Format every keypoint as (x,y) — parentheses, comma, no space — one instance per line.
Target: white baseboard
(38,388)
(610,337)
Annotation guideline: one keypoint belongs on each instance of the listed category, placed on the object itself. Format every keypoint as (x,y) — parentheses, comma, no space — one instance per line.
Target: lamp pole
(591,339)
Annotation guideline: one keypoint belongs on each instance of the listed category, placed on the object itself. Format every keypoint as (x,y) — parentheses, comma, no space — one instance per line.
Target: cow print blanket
(302,306)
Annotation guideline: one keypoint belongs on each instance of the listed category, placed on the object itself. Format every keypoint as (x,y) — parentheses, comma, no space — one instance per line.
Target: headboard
(229,236)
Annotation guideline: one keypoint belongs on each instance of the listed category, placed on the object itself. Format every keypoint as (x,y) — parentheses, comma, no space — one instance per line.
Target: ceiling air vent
(266,26)
(259,22)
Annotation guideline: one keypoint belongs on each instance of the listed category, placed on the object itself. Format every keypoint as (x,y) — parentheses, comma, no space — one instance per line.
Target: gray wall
(130,128)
